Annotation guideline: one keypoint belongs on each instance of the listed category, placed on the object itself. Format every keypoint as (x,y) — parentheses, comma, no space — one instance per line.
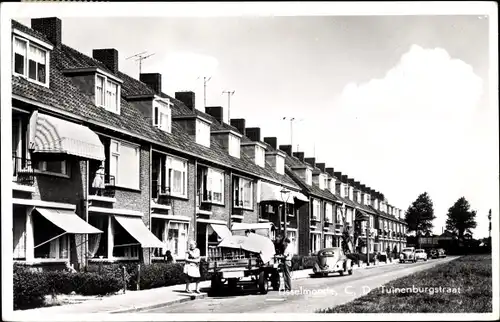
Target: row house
(108,168)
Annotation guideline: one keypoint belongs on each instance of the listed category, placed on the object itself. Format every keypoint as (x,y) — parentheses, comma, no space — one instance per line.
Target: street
(308,294)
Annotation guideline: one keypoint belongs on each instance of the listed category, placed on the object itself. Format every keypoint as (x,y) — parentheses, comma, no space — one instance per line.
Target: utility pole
(140,57)
(229,94)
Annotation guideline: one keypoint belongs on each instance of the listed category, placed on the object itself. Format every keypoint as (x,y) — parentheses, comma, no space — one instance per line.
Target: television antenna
(140,57)
(205,81)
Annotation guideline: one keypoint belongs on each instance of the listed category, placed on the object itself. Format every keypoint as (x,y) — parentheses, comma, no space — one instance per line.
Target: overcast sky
(400,103)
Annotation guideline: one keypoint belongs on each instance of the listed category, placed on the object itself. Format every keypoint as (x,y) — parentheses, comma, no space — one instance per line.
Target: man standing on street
(287,267)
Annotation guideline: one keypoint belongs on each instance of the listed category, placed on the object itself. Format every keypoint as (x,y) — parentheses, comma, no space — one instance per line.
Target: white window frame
(202,133)
(118,174)
(240,183)
(308,177)
(328,237)
(211,176)
(234,143)
(183,169)
(26,61)
(164,110)
(315,242)
(329,212)
(316,213)
(260,156)
(280,164)
(105,104)
(338,215)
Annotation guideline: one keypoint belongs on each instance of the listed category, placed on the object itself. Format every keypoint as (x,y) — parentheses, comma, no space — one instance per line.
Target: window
(280,164)
(371,221)
(19,234)
(173,234)
(322,182)
(124,164)
(98,243)
(329,212)
(162,116)
(260,156)
(30,61)
(124,245)
(339,215)
(43,231)
(54,167)
(316,209)
(292,235)
(107,94)
(243,193)
(332,185)
(203,133)
(328,241)
(234,146)
(315,242)
(346,191)
(213,186)
(177,176)
(309,177)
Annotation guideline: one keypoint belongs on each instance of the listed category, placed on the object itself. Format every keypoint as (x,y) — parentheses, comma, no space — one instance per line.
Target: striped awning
(272,192)
(361,215)
(136,228)
(54,135)
(68,221)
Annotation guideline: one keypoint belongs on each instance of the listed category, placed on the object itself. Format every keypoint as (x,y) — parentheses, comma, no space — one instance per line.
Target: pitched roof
(64,95)
(33,33)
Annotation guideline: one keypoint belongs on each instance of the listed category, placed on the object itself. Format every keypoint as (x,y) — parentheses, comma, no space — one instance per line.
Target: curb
(158,305)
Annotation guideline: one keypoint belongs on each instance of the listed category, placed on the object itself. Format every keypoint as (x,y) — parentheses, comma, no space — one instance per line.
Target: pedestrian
(98,182)
(192,267)
(169,258)
(287,265)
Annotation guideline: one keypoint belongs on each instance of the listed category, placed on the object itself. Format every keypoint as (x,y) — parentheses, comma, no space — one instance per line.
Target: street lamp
(284,192)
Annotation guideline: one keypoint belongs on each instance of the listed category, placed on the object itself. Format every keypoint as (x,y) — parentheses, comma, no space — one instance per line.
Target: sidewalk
(134,301)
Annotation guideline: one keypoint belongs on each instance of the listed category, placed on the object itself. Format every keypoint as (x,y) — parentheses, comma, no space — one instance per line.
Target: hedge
(303,262)
(31,287)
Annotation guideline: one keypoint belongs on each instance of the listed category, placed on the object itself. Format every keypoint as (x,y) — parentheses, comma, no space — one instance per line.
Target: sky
(399,103)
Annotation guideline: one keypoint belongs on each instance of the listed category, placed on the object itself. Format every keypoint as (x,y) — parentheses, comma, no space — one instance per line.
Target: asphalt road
(310,294)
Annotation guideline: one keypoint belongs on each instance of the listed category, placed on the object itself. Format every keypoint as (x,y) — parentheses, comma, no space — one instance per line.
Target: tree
(460,218)
(420,215)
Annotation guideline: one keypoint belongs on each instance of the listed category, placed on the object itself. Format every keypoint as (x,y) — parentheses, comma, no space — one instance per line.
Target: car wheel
(263,285)
(350,272)
(341,273)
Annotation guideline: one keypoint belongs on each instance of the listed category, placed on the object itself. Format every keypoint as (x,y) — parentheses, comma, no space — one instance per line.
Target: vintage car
(433,253)
(441,253)
(248,259)
(407,255)
(420,254)
(332,260)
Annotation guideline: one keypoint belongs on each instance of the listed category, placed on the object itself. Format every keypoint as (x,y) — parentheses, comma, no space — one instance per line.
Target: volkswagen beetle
(407,255)
(332,260)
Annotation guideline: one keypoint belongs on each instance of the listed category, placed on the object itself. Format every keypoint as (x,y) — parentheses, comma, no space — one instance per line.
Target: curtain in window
(99,91)
(247,194)
(111,92)
(128,173)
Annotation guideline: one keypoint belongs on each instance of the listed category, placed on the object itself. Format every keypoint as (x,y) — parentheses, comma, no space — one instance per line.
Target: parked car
(407,255)
(420,254)
(441,253)
(332,260)
(433,253)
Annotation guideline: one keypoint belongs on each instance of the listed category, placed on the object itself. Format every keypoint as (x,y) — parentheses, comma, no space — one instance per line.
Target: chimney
(357,185)
(273,142)
(109,57)
(50,27)
(287,149)
(299,155)
(216,112)
(338,175)
(321,166)
(344,178)
(311,161)
(330,171)
(253,133)
(153,80)
(188,98)
(239,124)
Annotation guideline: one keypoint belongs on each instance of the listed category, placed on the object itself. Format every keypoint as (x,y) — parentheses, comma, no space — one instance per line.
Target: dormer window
(162,115)
(234,146)
(280,164)
(202,133)
(107,94)
(346,191)
(30,61)
(309,177)
(332,185)
(322,181)
(260,156)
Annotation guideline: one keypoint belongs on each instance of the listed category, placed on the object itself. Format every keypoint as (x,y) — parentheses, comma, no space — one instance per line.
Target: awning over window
(272,192)
(68,221)
(135,227)
(221,230)
(53,135)
(361,215)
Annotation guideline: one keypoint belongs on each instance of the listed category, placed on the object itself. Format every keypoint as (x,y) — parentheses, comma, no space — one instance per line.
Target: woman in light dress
(98,182)
(192,267)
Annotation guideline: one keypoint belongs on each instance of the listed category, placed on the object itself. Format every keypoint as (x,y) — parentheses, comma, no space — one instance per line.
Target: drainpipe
(195,224)
(86,256)
(150,196)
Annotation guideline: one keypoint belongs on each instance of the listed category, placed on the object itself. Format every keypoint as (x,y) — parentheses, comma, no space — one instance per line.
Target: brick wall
(186,207)
(224,212)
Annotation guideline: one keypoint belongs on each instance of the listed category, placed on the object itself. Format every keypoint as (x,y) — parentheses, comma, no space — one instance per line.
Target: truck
(245,259)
